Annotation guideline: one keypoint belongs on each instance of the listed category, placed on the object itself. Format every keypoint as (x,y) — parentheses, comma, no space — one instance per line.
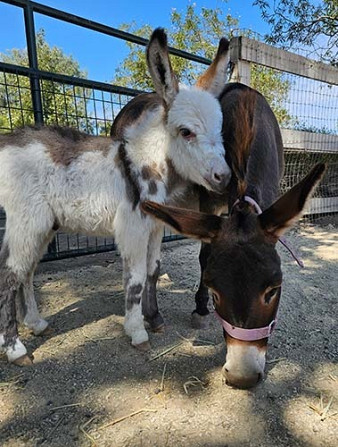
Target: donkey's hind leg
(9,285)
(24,242)
(27,309)
(29,313)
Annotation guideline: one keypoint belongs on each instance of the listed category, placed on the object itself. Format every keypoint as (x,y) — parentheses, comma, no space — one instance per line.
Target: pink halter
(246,334)
(262,332)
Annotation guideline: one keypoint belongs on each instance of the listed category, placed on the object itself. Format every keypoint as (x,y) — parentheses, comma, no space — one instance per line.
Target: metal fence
(29,95)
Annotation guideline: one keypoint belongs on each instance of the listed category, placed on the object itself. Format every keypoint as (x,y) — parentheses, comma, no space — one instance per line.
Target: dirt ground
(89,387)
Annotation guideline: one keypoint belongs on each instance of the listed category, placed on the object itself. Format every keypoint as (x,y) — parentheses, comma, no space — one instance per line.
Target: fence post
(33,63)
(240,69)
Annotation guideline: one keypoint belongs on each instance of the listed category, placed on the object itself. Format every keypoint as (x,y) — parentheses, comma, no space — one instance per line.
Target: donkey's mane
(244,132)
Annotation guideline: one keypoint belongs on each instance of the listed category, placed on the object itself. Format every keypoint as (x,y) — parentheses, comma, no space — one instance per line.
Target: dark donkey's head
(243,271)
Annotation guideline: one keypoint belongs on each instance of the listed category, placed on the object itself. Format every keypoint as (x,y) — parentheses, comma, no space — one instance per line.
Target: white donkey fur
(50,179)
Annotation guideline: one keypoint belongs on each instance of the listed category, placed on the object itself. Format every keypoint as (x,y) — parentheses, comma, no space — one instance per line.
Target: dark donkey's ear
(214,78)
(159,66)
(288,209)
(190,223)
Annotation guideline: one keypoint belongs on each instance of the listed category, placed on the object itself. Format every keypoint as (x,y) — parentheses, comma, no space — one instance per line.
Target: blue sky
(99,54)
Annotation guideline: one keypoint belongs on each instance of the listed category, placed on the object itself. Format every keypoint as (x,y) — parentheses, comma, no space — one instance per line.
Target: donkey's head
(243,271)
(194,117)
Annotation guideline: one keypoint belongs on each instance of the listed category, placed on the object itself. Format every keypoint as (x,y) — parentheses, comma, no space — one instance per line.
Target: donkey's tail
(244,132)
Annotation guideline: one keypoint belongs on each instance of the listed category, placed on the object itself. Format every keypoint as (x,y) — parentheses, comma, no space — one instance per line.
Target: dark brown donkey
(243,271)
(266,156)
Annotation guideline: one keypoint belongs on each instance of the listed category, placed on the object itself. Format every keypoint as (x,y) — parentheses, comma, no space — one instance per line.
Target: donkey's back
(61,145)
(59,175)
(266,147)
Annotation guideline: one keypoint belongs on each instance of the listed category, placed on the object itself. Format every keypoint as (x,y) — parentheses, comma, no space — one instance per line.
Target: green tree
(303,23)
(62,104)
(198,34)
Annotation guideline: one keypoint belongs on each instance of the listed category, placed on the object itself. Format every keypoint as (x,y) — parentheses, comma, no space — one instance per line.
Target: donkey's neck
(263,177)
(149,140)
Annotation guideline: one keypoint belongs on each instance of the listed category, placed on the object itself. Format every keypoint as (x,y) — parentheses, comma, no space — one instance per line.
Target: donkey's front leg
(199,315)
(149,301)
(135,276)
(132,230)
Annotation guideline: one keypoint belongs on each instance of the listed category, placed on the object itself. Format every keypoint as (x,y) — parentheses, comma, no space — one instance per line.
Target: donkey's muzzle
(219,178)
(243,382)
(245,363)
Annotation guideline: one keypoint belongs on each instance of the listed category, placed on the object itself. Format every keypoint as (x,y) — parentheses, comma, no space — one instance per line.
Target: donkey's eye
(271,294)
(186,133)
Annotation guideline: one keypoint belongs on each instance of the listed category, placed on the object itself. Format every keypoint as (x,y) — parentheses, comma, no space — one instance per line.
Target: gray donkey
(53,178)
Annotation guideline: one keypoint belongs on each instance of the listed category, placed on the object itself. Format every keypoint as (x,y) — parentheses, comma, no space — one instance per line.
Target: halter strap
(282,239)
(246,334)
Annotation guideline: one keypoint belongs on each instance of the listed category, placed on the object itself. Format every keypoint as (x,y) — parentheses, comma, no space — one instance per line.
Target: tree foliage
(62,104)
(312,24)
(198,33)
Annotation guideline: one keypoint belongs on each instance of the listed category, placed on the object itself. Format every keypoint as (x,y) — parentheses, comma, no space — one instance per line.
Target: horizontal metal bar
(322,205)
(99,27)
(70,80)
(55,256)
(309,141)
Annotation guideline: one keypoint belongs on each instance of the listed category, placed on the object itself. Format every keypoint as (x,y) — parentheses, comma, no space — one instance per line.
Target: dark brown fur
(124,164)
(149,304)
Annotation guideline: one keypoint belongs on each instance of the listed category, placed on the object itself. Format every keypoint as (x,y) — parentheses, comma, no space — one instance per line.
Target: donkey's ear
(193,224)
(215,77)
(159,65)
(288,209)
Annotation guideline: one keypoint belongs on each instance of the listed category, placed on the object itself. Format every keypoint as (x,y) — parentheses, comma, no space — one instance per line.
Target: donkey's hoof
(45,332)
(143,347)
(159,329)
(40,327)
(156,323)
(24,360)
(199,321)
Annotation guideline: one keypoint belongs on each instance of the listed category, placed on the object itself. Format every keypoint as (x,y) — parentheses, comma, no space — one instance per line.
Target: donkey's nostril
(218,177)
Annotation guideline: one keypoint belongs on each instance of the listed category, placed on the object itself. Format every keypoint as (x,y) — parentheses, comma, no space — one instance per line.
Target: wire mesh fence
(323,204)
(309,126)
(84,107)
